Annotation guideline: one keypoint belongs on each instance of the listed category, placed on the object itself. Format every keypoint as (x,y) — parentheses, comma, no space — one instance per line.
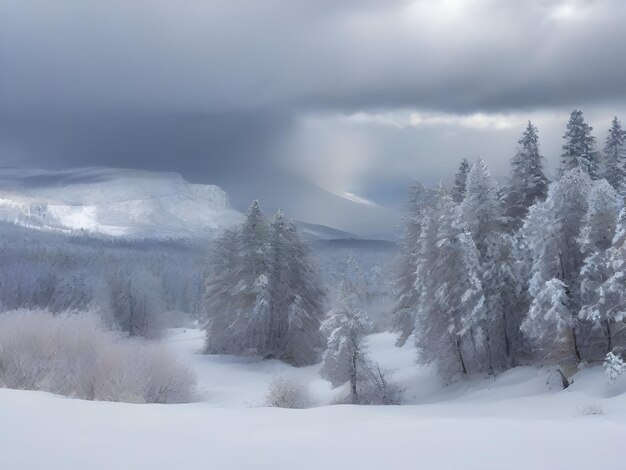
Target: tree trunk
(507,341)
(458,350)
(353,392)
(609,338)
(576,350)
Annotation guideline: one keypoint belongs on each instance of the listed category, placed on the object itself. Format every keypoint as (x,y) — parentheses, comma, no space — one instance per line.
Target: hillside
(113,202)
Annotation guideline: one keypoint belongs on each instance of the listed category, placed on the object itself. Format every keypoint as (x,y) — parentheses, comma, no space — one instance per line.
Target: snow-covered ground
(512,422)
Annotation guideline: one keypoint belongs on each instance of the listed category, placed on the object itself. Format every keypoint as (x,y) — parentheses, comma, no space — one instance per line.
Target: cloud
(444,55)
(353,96)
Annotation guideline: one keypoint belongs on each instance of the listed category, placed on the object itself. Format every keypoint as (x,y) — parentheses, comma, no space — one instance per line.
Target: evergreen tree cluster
(534,272)
(263,296)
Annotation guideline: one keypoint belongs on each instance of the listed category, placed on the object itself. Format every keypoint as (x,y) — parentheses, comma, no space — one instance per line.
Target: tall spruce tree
(451,300)
(552,231)
(579,148)
(615,155)
(597,274)
(528,182)
(460,179)
(421,200)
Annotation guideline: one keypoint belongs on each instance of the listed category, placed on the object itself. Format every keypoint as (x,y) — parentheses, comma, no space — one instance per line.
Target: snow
(512,422)
(113,202)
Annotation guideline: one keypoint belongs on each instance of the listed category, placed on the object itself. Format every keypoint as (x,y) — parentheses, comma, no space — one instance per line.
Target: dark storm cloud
(228,55)
(221,90)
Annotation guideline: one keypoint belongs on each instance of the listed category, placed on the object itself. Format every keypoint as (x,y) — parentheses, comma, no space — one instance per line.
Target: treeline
(534,272)
(139,287)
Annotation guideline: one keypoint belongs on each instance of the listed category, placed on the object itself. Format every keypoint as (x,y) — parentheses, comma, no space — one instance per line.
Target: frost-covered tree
(598,231)
(405,289)
(506,301)
(579,148)
(296,296)
(528,183)
(605,304)
(481,207)
(460,180)
(552,230)
(263,296)
(236,310)
(615,155)
(482,211)
(550,323)
(345,327)
(451,301)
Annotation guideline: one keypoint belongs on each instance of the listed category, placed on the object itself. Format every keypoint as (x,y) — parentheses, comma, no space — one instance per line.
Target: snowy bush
(286,392)
(614,366)
(74,355)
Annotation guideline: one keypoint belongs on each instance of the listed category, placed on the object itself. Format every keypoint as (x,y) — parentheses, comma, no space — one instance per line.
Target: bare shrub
(287,392)
(376,389)
(74,355)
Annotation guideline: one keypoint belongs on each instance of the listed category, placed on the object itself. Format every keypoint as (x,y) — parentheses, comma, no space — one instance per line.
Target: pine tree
(615,155)
(550,322)
(451,300)
(263,295)
(297,296)
(460,179)
(552,231)
(236,305)
(506,302)
(481,207)
(603,289)
(528,183)
(579,147)
(420,203)
(598,231)
(345,328)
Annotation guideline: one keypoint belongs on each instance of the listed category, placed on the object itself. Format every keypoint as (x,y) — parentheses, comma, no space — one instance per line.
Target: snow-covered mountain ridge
(113,202)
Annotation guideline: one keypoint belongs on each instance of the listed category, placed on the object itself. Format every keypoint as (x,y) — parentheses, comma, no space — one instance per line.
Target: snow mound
(113,202)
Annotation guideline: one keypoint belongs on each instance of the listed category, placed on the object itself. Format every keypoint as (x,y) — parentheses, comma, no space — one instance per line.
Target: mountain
(113,202)
(313,232)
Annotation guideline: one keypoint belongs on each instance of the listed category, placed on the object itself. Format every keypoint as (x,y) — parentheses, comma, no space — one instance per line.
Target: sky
(327,108)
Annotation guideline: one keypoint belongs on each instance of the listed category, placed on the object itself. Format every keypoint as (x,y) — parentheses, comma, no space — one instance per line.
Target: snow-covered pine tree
(482,211)
(579,147)
(263,295)
(528,183)
(609,309)
(506,302)
(421,200)
(552,230)
(550,323)
(345,328)
(460,179)
(451,300)
(615,155)
(481,207)
(598,231)
(236,297)
(297,296)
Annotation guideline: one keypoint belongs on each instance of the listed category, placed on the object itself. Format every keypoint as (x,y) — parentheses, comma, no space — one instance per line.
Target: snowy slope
(514,422)
(113,202)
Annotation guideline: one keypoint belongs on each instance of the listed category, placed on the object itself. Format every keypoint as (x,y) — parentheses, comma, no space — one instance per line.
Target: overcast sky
(326,107)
